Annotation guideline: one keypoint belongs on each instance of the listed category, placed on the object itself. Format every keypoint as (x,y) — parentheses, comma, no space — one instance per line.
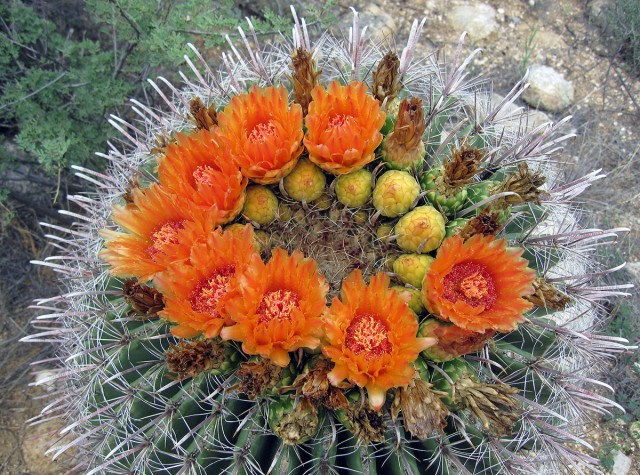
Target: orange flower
(196,293)
(199,168)
(453,341)
(263,134)
(161,228)
(343,127)
(278,306)
(371,337)
(478,284)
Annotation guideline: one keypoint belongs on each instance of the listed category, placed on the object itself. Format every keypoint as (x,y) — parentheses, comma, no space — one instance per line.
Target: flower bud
(422,230)
(411,268)
(354,189)
(394,193)
(306,182)
(261,205)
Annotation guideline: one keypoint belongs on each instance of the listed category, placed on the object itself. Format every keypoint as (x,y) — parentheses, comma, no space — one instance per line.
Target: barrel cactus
(327,258)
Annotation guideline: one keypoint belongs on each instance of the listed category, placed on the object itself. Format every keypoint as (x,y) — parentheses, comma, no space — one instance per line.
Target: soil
(562,34)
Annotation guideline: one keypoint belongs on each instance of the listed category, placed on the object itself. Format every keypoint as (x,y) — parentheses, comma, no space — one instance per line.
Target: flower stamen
(202,175)
(369,335)
(209,291)
(339,120)
(261,132)
(471,283)
(165,235)
(277,305)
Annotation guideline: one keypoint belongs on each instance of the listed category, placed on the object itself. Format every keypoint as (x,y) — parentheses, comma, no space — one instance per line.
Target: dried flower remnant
(462,166)
(385,85)
(257,378)
(304,77)
(547,295)
(188,359)
(525,184)
(145,301)
(403,148)
(492,404)
(486,223)
(422,409)
(203,116)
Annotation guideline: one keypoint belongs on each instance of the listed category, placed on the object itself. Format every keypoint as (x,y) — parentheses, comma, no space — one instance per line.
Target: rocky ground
(572,72)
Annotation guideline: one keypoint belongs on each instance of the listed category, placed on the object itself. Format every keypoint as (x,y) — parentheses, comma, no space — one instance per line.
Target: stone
(634,269)
(621,463)
(548,89)
(380,25)
(477,19)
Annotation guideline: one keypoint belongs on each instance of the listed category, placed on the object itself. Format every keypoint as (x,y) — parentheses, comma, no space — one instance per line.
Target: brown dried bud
(134,183)
(525,184)
(491,404)
(422,410)
(365,424)
(486,223)
(314,386)
(257,377)
(298,424)
(162,141)
(462,167)
(145,301)
(189,358)
(547,295)
(204,117)
(409,126)
(304,77)
(385,78)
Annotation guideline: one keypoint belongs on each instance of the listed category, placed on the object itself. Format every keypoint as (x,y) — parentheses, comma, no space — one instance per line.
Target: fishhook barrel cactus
(328,258)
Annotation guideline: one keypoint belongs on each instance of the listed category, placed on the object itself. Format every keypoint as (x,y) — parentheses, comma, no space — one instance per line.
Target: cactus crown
(261,333)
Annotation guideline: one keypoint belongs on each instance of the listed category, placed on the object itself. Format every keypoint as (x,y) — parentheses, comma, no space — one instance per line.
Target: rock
(621,463)
(511,118)
(380,25)
(597,10)
(477,19)
(548,89)
(634,269)
(634,432)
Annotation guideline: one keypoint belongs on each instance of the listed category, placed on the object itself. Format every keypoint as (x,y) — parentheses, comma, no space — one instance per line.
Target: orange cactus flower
(278,307)
(343,127)
(201,169)
(263,133)
(160,228)
(196,293)
(478,284)
(370,335)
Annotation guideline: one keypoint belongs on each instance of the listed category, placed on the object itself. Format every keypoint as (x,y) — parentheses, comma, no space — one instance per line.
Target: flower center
(472,283)
(339,120)
(209,291)
(367,334)
(277,305)
(202,175)
(261,132)
(165,235)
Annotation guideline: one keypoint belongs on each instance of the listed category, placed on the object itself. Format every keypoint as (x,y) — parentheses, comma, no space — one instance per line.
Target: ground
(562,34)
